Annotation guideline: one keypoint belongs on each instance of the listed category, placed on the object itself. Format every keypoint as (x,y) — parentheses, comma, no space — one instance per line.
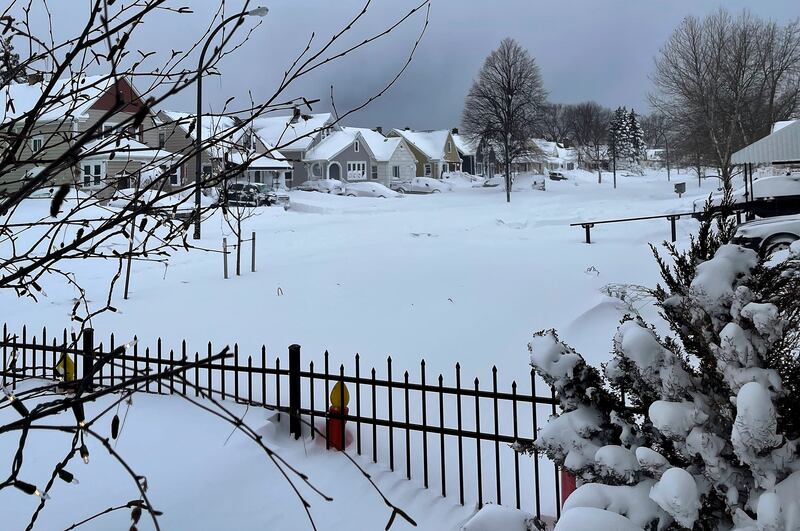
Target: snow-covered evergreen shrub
(707,437)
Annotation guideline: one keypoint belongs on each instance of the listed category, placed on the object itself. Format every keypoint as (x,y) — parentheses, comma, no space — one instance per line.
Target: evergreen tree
(635,138)
(619,135)
(10,70)
(706,436)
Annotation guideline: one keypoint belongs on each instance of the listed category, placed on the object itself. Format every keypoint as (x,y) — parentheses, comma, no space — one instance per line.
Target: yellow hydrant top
(338,393)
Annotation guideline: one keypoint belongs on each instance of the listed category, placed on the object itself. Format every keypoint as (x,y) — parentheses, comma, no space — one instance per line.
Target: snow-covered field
(452,277)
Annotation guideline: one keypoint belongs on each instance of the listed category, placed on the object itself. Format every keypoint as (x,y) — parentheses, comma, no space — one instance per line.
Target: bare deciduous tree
(589,129)
(554,124)
(731,78)
(505,102)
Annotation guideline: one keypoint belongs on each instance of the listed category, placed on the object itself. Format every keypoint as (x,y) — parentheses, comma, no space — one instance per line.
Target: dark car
(767,236)
(249,194)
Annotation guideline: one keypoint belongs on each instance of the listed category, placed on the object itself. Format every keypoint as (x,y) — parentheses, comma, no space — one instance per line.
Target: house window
(174,178)
(107,129)
(357,146)
(356,171)
(374,172)
(92,174)
(288,178)
(257,176)
(449,146)
(162,139)
(427,170)
(316,170)
(395,172)
(36,144)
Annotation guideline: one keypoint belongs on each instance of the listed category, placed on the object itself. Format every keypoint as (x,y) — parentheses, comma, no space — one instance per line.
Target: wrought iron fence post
(88,357)
(294,391)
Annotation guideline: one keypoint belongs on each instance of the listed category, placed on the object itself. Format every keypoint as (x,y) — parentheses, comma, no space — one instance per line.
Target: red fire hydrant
(336,432)
(568,485)
(336,428)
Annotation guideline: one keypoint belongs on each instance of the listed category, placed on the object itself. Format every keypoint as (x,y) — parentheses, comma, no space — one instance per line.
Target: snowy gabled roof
(335,143)
(69,99)
(216,125)
(212,125)
(781,146)
(280,131)
(382,148)
(124,149)
(261,161)
(465,144)
(431,143)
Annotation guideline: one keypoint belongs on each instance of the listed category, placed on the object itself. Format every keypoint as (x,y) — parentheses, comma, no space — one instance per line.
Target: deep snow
(451,277)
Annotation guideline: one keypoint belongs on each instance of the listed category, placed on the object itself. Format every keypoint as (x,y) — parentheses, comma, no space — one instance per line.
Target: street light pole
(198,157)
(666,146)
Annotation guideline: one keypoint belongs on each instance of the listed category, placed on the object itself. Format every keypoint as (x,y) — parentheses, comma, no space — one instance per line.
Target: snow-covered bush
(706,435)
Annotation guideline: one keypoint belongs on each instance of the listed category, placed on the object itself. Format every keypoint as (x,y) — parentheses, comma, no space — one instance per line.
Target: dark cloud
(587,49)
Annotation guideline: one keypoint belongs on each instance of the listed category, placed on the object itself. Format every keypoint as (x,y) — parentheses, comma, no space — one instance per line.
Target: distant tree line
(719,84)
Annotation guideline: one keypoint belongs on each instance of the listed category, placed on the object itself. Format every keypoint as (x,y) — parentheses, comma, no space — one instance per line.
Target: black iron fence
(453,434)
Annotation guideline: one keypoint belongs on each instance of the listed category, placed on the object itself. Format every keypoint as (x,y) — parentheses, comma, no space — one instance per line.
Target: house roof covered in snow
(216,125)
(125,149)
(212,125)
(335,143)
(70,98)
(465,144)
(382,148)
(431,143)
(281,131)
(781,146)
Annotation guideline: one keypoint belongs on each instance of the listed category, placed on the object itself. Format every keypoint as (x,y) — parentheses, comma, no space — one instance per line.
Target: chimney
(379,129)
(455,130)
(406,129)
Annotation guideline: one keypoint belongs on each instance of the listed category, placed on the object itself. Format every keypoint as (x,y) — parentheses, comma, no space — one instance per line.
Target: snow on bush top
(715,278)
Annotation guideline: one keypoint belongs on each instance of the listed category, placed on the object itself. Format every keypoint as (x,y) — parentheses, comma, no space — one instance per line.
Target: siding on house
(56,139)
(404,159)
(350,155)
(57,136)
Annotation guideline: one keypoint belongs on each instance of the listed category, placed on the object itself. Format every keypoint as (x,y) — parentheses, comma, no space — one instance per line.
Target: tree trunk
(238,246)
(508,173)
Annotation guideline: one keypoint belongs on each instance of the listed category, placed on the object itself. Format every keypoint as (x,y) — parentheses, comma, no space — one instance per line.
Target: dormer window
(356,146)
(449,146)
(36,144)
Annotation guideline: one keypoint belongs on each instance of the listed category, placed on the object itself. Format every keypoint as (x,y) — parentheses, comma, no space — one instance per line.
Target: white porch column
(282,180)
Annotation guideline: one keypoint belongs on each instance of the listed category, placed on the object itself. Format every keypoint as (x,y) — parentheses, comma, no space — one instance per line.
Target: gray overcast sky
(587,49)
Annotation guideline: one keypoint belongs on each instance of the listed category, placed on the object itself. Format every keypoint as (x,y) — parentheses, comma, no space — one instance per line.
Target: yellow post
(66,368)
(338,393)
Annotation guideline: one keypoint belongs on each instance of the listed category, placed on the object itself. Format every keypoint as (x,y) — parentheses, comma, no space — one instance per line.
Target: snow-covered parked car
(326,186)
(369,190)
(256,194)
(767,236)
(421,185)
(772,196)
(493,182)
(556,176)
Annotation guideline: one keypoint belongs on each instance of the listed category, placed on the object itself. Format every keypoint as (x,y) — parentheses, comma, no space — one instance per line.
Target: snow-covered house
(343,155)
(435,151)
(294,136)
(392,157)
(75,105)
(545,156)
(236,144)
(468,150)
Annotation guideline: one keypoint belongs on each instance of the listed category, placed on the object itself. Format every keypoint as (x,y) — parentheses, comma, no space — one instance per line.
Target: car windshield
(236,187)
